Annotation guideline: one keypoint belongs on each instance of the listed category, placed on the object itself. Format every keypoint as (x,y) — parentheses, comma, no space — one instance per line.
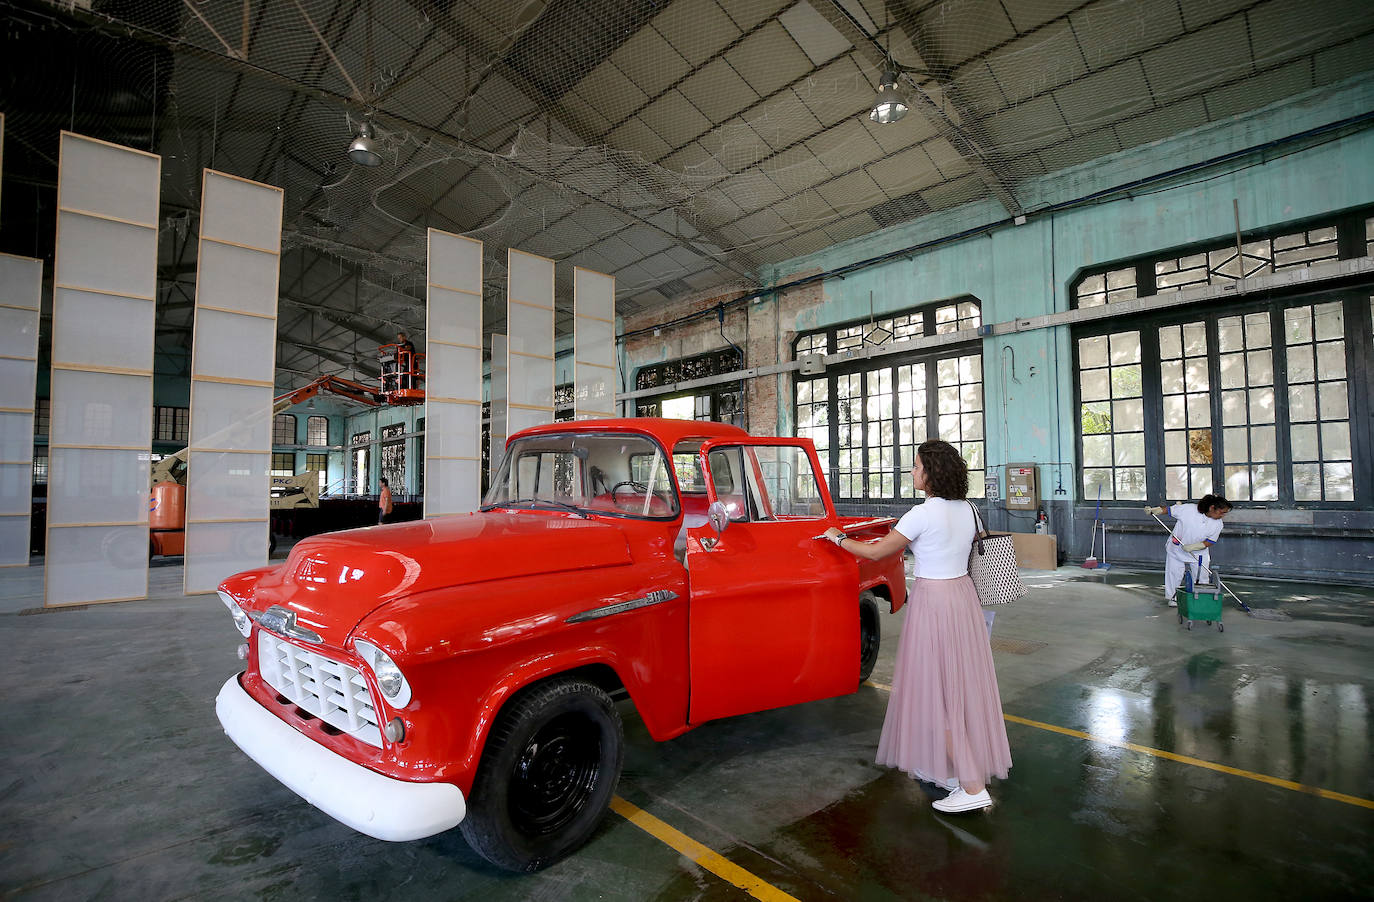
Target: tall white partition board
(496,432)
(593,344)
(453,378)
(529,334)
(100,431)
(21,284)
(233,364)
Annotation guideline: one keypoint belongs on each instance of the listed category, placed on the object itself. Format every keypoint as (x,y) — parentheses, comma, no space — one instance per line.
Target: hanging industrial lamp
(888,106)
(363,150)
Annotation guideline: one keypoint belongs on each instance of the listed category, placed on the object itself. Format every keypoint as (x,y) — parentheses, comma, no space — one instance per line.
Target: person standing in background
(405,359)
(1197,530)
(944,719)
(384,505)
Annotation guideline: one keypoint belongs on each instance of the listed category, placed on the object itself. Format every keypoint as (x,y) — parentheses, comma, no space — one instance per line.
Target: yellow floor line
(712,861)
(1183,759)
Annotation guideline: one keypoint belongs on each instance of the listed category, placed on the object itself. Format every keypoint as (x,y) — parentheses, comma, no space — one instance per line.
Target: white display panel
(229,486)
(233,365)
(16,437)
(16,383)
(87,564)
(451,443)
(240,212)
(102,385)
(96,330)
(20,293)
(117,266)
(233,345)
(529,336)
(108,184)
(594,373)
(235,278)
(15,500)
(90,486)
(106,410)
(499,414)
(232,417)
(217,550)
(450,477)
(453,377)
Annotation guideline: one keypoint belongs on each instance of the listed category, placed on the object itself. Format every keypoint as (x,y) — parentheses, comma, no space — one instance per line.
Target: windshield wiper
(560,504)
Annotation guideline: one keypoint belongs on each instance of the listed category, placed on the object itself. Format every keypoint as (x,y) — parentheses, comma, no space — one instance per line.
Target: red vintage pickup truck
(409,678)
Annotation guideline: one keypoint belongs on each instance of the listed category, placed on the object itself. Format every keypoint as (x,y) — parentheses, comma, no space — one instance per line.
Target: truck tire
(547,775)
(870,634)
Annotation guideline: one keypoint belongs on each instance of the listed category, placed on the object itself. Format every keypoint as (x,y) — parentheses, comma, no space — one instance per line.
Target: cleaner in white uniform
(1197,530)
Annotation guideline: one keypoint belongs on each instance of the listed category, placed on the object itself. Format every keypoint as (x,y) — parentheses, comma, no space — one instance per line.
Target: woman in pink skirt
(944,718)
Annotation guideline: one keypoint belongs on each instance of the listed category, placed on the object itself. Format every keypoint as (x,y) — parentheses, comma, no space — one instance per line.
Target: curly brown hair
(946,471)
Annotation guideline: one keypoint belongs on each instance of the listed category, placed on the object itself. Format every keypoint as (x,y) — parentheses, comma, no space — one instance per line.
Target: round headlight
(389,677)
(245,626)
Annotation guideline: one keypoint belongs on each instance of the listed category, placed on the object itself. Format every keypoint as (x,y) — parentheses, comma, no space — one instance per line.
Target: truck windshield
(624,475)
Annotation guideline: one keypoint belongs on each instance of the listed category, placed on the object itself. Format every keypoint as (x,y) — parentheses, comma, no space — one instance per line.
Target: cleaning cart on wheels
(1199,600)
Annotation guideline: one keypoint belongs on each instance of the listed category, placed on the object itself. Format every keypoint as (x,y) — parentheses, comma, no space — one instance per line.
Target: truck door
(774,612)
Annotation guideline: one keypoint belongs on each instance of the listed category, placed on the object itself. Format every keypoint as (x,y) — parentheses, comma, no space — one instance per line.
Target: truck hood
(333,581)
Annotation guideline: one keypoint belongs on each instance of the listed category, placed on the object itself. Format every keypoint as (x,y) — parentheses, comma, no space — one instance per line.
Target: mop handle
(1225,588)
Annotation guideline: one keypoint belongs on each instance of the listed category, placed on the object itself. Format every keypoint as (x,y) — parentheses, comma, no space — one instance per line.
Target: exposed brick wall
(764,328)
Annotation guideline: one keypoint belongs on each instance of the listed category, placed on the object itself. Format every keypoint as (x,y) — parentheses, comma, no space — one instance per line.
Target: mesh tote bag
(992,564)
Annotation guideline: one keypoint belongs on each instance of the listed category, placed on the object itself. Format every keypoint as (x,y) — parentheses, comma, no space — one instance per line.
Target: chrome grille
(334,692)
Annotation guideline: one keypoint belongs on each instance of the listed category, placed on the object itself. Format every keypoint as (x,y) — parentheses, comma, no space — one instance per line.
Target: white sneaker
(1172,603)
(958,801)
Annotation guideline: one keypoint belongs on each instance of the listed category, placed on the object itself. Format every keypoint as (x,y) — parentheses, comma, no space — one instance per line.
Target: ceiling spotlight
(363,150)
(888,106)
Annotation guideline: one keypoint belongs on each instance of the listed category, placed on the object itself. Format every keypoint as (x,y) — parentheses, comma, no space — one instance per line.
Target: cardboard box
(1035,551)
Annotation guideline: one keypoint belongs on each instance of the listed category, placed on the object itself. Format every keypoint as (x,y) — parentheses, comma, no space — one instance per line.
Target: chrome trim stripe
(658,596)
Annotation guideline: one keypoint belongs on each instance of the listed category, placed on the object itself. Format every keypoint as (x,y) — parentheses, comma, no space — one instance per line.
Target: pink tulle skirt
(944,719)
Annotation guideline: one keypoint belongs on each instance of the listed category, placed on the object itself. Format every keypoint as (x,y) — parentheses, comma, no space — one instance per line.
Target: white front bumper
(365,800)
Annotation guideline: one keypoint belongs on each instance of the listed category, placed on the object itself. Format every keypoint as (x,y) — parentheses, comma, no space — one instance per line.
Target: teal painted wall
(1027,270)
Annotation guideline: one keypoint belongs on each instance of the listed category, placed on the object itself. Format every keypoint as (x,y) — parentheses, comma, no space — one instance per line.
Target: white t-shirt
(939,533)
(1193,526)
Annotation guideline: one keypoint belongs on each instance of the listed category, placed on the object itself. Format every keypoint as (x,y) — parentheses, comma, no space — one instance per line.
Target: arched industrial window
(317,431)
(868,417)
(284,429)
(1255,399)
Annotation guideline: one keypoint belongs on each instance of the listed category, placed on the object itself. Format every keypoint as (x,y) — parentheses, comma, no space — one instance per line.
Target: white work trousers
(1176,561)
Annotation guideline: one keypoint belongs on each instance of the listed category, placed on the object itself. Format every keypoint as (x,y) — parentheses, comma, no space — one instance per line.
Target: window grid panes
(283,463)
(1222,264)
(813,414)
(40,469)
(41,409)
(1318,403)
(849,473)
(1107,287)
(284,429)
(317,431)
(358,449)
(1249,445)
(170,424)
(320,464)
(815,343)
(1185,387)
(879,459)
(959,396)
(393,459)
(957,317)
(1111,417)
(911,420)
(1369,237)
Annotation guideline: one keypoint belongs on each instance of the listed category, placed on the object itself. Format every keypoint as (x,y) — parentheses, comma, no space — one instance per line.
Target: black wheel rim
(555,775)
(868,636)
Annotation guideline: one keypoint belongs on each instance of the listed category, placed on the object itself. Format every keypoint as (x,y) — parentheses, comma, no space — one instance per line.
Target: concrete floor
(118,783)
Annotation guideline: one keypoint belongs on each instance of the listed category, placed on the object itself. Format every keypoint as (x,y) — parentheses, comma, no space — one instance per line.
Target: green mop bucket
(1201,602)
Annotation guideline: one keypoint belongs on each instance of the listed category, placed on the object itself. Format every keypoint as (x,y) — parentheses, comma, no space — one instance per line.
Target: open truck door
(756,570)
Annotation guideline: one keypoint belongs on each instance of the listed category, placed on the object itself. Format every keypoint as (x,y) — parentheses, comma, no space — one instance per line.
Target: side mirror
(718,516)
